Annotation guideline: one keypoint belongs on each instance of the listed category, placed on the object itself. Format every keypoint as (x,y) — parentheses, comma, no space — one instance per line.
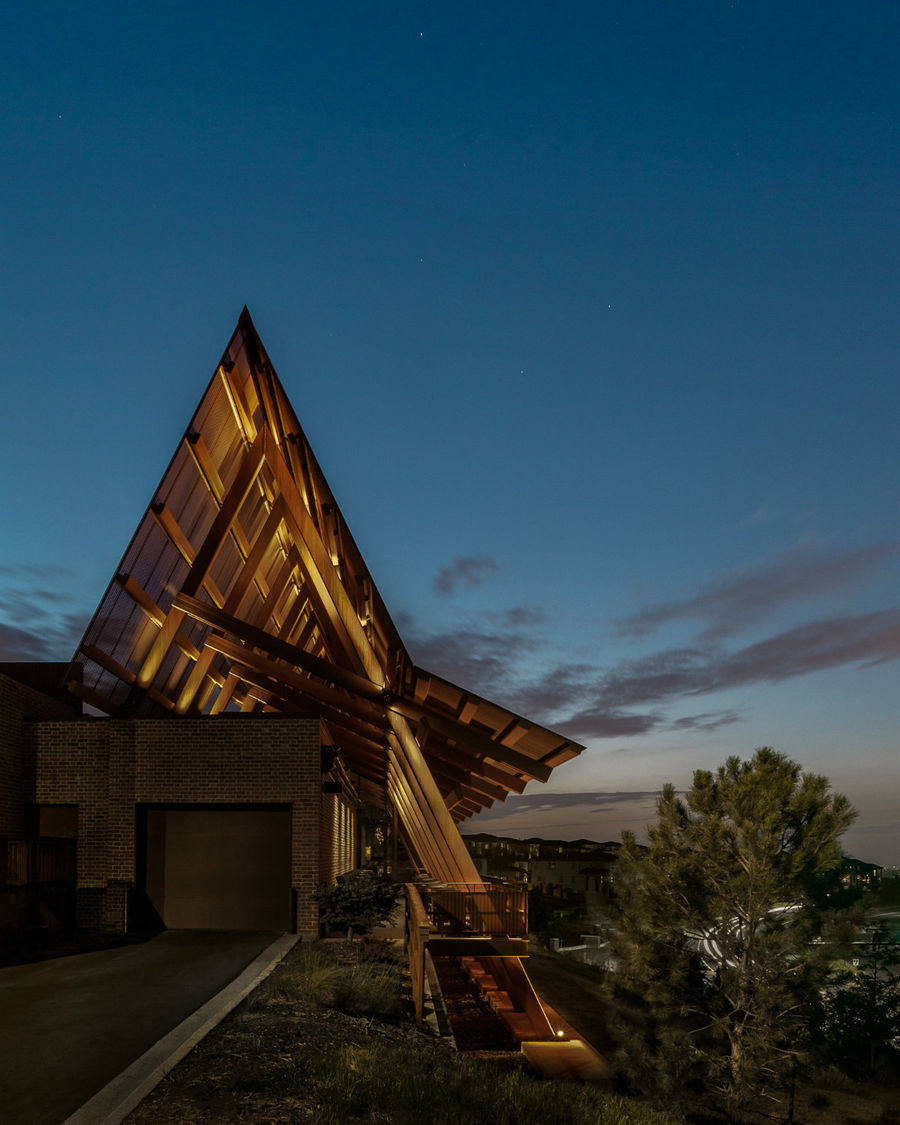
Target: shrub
(312,976)
(367,989)
(316,977)
(358,901)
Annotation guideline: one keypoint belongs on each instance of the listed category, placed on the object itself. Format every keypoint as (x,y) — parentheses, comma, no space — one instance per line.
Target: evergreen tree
(858,1019)
(714,928)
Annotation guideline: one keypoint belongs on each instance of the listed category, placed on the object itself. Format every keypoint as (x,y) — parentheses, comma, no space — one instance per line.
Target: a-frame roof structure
(243,590)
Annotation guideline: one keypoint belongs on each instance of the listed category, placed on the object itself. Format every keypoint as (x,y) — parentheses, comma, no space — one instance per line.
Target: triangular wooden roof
(243,590)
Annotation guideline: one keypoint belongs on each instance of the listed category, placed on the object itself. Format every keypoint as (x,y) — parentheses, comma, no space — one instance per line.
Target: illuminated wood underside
(243,589)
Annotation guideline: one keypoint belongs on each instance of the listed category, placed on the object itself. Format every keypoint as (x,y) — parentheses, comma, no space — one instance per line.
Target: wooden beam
(105,661)
(474,801)
(564,753)
(231,504)
(339,698)
(434,746)
(247,575)
(514,732)
(242,416)
(141,598)
(456,863)
(466,779)
(194,681)
(260,377)
(205,465)
(172,530)
(94,698)
(254,670)
(278,649)
(225,694)
(224,521)
(468,738)
(467,711)
(422,842)
(322,578)
(266,610)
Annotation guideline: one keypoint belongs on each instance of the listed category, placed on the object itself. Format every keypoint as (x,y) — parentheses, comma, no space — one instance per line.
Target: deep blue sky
(589,310)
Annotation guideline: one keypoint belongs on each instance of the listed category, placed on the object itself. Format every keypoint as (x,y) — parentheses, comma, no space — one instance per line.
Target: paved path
(70,1025)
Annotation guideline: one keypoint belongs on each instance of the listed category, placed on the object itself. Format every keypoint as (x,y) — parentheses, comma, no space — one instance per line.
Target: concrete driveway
(70,1025)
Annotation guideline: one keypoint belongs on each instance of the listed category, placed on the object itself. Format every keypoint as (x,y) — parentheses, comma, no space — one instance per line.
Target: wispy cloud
(634,697)
(595,799)
(605,722)
(523,616)
(708,721)
(567,685)
(21,644)
(764,512)
(52,642)
(600,721)
(484,660)
(735,600)
(464,572)
(33,570)
(36,618)
(569,815)
(665,676)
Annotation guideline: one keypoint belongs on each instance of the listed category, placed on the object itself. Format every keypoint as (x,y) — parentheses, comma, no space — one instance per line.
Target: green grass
(386,1084)
(312,977)
(370,990)
(317,977)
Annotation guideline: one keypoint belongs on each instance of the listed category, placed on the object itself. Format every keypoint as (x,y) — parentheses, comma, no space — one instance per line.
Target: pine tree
(713,935)
(858,1024)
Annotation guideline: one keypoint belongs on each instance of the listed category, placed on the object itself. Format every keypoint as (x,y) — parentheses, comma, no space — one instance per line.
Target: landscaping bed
(330,1038)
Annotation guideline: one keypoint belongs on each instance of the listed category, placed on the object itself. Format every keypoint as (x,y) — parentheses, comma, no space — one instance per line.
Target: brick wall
(108,766)
(18,703)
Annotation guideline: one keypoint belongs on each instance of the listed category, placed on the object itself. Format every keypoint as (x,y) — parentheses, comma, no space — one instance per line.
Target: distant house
(255,724)
(582,874)
(855,873)
(567,866)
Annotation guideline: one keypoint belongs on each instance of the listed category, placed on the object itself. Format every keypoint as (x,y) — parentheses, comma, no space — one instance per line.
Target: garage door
(219,869)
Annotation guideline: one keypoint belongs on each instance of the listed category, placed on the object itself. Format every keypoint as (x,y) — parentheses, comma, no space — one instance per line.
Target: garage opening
(215,868)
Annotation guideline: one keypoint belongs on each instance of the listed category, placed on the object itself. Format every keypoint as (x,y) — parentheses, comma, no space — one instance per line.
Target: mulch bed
(251,1067)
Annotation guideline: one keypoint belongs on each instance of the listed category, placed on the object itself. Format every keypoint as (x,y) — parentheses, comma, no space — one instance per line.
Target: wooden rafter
(279,649)
(212,544)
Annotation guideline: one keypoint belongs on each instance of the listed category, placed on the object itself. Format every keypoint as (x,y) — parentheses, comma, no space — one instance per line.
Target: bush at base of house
(357,902)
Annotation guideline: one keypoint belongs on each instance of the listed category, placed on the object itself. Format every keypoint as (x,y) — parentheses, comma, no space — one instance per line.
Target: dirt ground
(259,1064)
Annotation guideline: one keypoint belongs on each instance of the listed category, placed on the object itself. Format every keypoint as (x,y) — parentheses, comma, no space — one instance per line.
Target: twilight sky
(589,310)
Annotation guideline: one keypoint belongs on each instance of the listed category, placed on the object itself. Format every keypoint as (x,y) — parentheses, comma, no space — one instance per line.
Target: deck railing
(418,928)
(496,909)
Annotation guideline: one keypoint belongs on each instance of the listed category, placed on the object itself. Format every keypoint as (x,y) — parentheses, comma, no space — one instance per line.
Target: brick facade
(19,702)
(107,767)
